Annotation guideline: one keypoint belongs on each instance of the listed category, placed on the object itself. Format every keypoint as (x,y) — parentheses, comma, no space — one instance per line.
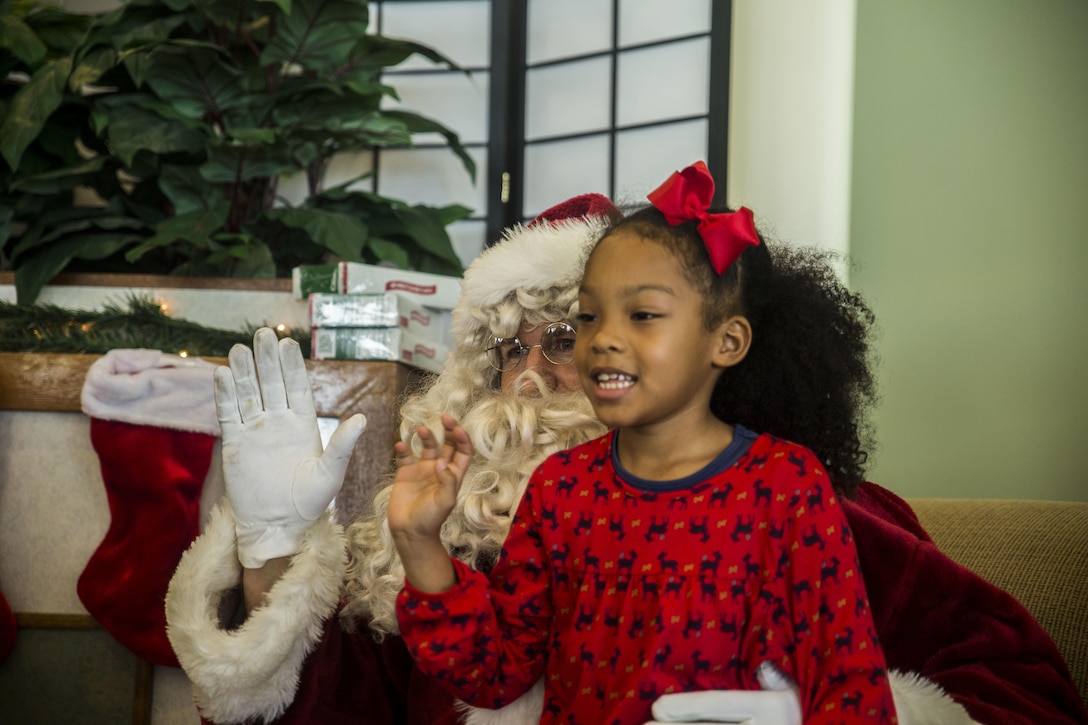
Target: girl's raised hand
(425,489)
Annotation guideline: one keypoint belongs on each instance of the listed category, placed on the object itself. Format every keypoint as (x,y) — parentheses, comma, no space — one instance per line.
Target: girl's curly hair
(808,375)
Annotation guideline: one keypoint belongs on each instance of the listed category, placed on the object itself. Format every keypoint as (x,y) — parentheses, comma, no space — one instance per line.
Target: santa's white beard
(511,436)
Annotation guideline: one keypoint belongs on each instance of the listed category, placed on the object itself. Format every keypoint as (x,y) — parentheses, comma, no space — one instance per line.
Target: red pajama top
(620,590)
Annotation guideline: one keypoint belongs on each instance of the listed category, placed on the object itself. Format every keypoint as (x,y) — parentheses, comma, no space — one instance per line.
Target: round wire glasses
(507,354)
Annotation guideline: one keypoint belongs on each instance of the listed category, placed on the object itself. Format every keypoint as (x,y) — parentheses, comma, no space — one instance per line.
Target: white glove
(277,478)
(777,704)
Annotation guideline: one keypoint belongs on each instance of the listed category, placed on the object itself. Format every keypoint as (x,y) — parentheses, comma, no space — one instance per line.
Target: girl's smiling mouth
(614,381)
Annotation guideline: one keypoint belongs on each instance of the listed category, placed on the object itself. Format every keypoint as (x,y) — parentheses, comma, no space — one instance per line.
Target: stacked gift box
(366,312)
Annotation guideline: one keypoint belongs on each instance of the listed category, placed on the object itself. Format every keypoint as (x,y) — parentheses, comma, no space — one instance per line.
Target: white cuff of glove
(756,707)
(776,704)
(257,543)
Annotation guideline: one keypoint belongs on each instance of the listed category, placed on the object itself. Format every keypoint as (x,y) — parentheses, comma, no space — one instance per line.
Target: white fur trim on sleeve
(919,701)
(526,710)
(252,671)
(149,387)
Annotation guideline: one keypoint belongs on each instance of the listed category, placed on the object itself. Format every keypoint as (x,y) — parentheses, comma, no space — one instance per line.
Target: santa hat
(547,254)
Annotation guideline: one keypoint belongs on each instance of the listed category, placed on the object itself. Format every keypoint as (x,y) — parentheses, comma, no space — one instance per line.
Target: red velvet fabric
(934,618)
(153,479)
(351,678)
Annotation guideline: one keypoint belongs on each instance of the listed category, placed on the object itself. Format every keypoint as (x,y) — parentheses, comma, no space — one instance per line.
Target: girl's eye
(642,316)
(584,317)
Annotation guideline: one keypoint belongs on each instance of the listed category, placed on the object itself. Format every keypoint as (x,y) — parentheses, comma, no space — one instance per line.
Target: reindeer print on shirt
(618,591)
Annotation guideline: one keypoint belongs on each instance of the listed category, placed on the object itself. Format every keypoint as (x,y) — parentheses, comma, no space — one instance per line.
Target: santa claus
(313,637)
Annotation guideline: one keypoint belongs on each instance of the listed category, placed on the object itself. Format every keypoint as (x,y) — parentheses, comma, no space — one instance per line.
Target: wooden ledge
(162,281)
(54,381)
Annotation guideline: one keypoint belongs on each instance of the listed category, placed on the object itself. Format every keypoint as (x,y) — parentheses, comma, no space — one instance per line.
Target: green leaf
(61,225)
(248,258)
(99,223)
(284,5)
(132,130)
(389,251)
(59,180)
(20,40)
(381,51)
(449,214)
(341,234)
(257,263)
(30,107)
(6,214)
(317,35)
(144,32)
(61,31)
(37,271)
(416,123)
(186,189)
(194,82)
(338,126)
(91,67)
(257,136)
(230,163)
(424,227)
(192,229)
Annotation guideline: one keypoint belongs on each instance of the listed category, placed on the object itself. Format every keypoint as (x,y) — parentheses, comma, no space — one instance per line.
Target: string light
(183,353)
(281,327)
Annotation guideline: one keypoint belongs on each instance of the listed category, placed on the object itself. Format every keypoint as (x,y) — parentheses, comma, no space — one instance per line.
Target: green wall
(969,232)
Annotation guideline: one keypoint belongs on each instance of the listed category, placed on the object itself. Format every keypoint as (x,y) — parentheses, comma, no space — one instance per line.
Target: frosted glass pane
(468,238)
(432,176)
(562,28)
(560,170)
(455,100)
(645,157)
(345,167)
(459,30)
(644,21)
(342,168)
(663,82)
(568,98)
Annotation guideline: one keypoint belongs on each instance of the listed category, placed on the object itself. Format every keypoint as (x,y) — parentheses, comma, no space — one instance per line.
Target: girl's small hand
(425,490)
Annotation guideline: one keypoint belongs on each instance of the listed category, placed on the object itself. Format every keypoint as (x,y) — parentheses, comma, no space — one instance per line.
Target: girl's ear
(734,339)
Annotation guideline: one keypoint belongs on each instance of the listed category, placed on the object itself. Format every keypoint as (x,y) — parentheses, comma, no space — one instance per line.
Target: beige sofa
(1035,550)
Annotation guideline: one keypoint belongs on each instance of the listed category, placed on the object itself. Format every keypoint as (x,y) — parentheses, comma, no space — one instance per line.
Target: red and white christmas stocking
(153,426)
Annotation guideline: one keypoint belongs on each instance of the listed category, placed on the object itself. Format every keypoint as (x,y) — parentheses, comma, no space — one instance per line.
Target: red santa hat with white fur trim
(549,252)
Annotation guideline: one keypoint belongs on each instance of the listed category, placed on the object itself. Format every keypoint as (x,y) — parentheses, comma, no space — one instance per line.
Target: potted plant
(153,139)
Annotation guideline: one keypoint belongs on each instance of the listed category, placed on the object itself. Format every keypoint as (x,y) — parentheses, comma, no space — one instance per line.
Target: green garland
(142,324)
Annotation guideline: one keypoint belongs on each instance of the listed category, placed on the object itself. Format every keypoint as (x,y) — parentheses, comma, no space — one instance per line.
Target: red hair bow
(686,195)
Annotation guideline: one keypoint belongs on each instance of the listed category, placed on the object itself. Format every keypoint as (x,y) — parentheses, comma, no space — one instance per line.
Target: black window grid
(506,142)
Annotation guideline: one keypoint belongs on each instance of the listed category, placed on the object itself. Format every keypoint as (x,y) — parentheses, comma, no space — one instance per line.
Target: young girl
(678,552)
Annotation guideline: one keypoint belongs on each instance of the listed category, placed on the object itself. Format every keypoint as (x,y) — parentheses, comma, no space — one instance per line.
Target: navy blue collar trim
(742,441)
